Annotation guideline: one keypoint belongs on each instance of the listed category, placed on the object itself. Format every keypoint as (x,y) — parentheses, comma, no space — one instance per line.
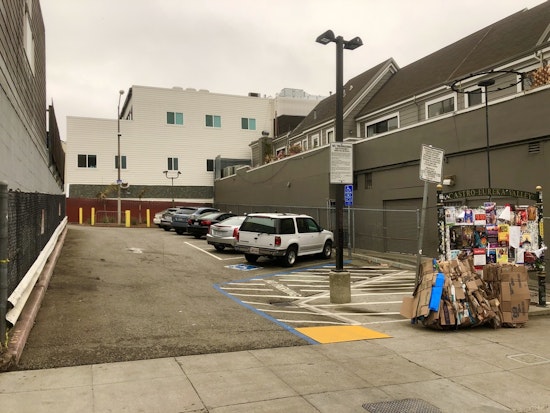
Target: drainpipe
(3,261)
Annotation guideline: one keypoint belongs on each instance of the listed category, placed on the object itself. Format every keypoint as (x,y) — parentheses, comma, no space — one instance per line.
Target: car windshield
(238,220)
(185,211)
(209,215)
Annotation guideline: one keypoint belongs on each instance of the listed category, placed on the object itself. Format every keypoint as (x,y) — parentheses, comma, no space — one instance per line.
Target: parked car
(179,219)
(284,236)
(224,233)
(166,218)
(158,217)
(199,226)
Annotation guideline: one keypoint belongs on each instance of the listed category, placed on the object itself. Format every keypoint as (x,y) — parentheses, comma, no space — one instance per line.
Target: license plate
(254,250)
(196,224)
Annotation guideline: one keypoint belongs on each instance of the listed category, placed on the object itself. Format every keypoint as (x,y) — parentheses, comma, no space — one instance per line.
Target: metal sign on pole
(431,166)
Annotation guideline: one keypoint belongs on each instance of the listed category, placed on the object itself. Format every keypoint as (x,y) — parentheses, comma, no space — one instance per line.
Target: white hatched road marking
(307,293)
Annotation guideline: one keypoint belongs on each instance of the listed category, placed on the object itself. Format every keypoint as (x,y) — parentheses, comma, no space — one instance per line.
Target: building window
(474,97)
(368,180)
(122,164)
(330,136)
(87,161)
(440,107)
(174,118)
(213,121)
(280,153)
(381,126)
(248,123)
(210,165)
(304,145)
(173,164)
(28,38)
(315,141)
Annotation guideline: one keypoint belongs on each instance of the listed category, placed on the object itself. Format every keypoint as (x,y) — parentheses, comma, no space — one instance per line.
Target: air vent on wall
(534,147)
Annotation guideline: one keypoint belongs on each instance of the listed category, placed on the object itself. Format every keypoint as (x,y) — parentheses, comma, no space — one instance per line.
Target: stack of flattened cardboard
(451,294)
(508,283)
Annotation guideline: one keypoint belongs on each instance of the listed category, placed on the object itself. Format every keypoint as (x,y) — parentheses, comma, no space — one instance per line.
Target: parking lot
(137,293)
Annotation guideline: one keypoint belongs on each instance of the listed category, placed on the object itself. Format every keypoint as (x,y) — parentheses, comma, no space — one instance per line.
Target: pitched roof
(326,108)
(499,43)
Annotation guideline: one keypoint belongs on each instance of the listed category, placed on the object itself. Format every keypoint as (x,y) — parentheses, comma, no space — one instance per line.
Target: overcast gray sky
(94,48)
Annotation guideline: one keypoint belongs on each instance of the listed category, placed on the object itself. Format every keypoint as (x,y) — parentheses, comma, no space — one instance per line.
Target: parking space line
(212,255)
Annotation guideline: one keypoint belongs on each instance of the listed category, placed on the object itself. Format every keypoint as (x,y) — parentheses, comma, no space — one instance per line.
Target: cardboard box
(515,311)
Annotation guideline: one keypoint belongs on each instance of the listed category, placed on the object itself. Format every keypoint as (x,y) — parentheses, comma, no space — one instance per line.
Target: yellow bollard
(80,216)
(148,215)
(127,214)
(92,217)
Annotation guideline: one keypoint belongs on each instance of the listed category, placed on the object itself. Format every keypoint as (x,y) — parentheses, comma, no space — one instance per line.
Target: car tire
(251,258)
(179,231)
(197,236)
(290,256)
(219,247)
(327,250)
(166,228)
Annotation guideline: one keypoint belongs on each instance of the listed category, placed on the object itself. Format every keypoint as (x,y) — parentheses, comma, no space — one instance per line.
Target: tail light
(236,233)
(206,222)
(277,241)
(190,221)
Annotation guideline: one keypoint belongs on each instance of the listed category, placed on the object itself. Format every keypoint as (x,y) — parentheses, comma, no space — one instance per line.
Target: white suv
(281,235)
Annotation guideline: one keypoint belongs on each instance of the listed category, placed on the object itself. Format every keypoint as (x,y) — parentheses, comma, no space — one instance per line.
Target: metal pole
(542,271)
(339,121)
(421,232)
(119,181)
(3,261)
(172,192)
(488,144)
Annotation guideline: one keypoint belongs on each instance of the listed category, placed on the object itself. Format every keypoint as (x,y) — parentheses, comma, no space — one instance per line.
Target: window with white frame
(173,164)
(473,96)
(440,106)
(87,161)
(28,37)
(382,125)
(330,136)
(315,141)
(122,163)
(174,118)
(248,123)
(213,121)
(304,144)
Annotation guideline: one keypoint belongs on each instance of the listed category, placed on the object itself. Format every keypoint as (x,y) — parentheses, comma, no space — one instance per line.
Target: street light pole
(341,44)
(118,181)
(172,178)
(485,84)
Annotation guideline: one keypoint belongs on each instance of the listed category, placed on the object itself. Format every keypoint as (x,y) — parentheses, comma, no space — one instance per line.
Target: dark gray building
(439,100)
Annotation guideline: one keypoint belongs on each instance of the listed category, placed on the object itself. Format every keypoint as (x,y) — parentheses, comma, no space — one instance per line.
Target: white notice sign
(431,164)
(341,163)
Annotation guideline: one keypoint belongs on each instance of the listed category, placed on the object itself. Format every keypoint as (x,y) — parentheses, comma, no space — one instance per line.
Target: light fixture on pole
(341,44)
(178,173)
(118,181)
(485,84)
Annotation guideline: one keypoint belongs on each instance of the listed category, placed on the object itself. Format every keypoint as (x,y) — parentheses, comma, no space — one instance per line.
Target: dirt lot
(122,294)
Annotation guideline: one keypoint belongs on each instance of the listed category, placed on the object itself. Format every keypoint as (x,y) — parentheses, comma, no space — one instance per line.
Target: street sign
(348,195)
(431,164)
(341,163)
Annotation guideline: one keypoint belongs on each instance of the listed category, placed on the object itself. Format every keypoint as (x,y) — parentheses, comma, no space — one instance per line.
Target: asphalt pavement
(383,365)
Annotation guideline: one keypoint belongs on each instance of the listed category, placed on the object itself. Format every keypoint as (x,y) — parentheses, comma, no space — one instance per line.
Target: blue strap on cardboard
(437,291)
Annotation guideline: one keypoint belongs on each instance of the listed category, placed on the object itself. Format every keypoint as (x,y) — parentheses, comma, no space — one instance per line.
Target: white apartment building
(172,140)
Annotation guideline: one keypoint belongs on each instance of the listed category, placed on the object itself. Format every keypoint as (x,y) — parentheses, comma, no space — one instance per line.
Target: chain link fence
(383,230)
(32,220)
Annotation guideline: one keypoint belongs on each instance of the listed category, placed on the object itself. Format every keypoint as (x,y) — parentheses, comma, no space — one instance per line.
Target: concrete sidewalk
(416,369)
(481,370)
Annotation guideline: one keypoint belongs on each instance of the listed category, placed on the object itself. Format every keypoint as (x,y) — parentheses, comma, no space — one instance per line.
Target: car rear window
(264,225)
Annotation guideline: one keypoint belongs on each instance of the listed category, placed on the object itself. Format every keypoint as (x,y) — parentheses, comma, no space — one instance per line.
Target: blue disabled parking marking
(242,267)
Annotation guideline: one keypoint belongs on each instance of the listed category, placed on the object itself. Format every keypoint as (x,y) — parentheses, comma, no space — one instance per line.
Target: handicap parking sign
(348,195)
